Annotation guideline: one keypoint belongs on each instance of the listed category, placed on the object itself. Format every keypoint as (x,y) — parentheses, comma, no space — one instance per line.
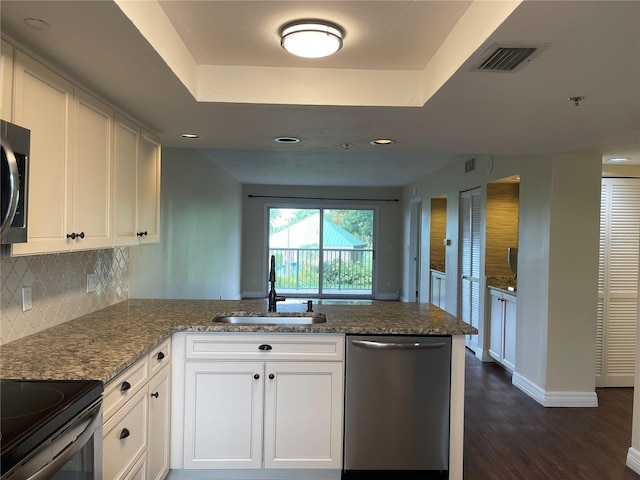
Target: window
(328,258)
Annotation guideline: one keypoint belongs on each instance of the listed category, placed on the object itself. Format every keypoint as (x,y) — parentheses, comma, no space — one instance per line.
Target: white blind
(470,216)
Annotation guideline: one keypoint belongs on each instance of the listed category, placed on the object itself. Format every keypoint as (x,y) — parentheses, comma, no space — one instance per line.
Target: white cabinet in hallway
(437,289)
(502,329)
(251,401)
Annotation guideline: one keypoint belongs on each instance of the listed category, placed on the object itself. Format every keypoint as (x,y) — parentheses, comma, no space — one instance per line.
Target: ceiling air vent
(508,58)
(470,165)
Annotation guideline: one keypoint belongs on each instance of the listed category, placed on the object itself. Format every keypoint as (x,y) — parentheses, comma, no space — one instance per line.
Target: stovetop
(33,410)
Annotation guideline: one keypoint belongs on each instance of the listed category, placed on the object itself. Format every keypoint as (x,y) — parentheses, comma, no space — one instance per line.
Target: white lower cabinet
(437,289)
(136,430)
(274,403)
(502,330)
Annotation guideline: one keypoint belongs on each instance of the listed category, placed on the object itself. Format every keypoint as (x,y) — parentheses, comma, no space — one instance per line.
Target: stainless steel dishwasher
(397,407)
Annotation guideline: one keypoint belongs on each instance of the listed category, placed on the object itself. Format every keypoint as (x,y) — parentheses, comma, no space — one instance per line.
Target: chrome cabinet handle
(397,345)
(14,186)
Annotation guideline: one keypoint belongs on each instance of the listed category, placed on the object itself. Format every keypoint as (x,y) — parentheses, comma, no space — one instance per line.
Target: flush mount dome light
(189,135)
(618,160)
(311,38)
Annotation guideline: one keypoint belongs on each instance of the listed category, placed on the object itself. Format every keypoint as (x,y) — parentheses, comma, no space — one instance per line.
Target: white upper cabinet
(43,103)
(149,188)
(125,180)
(94,179)
(93,161)
(6,81)
(136,185)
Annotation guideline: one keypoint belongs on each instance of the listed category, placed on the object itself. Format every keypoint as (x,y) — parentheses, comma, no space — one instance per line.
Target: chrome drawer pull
(397,345)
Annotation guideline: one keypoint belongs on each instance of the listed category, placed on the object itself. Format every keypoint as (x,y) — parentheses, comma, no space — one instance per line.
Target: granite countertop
(102,344)
(502,283)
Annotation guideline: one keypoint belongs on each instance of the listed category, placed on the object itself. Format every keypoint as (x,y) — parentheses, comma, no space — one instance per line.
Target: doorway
(469,261)
(415,226)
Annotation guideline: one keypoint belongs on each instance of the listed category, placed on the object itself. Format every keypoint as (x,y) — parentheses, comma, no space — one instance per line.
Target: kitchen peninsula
(103,344)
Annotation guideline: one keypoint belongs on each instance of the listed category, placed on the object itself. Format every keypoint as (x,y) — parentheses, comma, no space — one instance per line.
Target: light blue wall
(199,251)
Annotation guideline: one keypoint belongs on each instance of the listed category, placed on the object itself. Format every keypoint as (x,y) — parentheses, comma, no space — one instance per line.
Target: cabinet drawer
(125,437)
(119,390)
(260,346)
(159,357)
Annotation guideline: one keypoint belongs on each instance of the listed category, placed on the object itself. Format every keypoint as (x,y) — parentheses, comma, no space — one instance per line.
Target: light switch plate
(92,282)
(27,302)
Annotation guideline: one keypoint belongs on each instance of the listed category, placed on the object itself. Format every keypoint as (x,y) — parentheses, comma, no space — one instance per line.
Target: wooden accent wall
(438,232)
(502,226)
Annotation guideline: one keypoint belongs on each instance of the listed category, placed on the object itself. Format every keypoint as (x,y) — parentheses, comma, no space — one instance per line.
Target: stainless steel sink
(270,318)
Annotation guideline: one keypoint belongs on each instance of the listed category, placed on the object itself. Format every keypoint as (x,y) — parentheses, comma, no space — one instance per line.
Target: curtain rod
(327,198)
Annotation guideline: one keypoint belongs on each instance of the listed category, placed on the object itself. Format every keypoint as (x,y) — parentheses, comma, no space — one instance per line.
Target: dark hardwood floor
(510,436)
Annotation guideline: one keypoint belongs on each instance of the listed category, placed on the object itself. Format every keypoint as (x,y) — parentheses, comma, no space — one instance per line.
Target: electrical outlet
(27,302)
(92,282)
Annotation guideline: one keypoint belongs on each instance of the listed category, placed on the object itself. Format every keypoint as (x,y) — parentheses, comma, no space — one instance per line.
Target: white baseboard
(633,459)
(554,399)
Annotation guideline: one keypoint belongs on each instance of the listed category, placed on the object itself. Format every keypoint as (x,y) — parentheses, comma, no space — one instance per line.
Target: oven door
(72,453)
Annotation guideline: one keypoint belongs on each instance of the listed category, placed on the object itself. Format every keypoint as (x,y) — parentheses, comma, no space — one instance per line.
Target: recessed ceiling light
(382,141)
(286,140)
(189,135)
(618,160)
(311,38)
(36,23)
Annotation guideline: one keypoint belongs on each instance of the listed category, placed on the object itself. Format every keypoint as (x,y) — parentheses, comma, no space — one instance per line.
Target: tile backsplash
(59,288)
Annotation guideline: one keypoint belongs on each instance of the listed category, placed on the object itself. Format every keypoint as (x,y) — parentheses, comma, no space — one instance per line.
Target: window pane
(347,252)
(294,239)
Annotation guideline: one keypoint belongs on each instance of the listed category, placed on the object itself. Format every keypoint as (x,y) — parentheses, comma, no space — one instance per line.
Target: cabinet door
(435,289)
(149,189)
(223,415)
(303,415)
(496,328)
(126,141)
(159,424)
(93,161)
(6,81)
(509,357)
(43,103)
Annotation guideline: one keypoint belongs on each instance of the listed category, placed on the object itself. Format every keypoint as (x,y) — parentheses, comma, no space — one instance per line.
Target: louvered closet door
(469,231)
(618,282)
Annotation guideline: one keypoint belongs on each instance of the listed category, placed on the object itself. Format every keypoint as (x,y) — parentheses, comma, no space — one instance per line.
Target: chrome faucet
(274,298)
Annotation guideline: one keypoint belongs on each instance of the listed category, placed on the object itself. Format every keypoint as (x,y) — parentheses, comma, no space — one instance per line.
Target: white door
(618,282)
(469,241)
(303,415)
(223,415)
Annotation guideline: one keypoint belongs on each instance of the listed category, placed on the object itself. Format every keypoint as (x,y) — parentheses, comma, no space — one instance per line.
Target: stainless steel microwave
(14,188)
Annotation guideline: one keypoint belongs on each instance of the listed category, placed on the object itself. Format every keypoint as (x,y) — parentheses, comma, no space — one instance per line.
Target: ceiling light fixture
(311,38)
(36,23)
(286,140)
(618,160)
(382,141)
(189,135)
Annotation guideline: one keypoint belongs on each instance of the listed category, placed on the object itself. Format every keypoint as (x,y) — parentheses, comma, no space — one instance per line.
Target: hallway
(509,436)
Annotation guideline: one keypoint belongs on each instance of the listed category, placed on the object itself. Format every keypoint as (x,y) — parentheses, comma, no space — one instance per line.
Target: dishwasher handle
(397,345)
